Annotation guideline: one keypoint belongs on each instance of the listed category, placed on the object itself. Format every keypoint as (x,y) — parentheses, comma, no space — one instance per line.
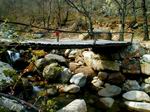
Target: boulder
(97,83)
(5,71)
(41,63)
(73,66)
(135,50)
(145,87)
(94,61)
(65,75)
(103,75)
(147,80)
(55,58)
(138,106)
(72,54)
(105,65)
(88,57)
(70,88)
(116,78)
(77,105)
(51,91)
(131,85)
(145,68)
(107,102)
(87,71)
(78,79)
(109,91)
(131,66)
(52,71)
(12,105)
(146,58)
(136,96)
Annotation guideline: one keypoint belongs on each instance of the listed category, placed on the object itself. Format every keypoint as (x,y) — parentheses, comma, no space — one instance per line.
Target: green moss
(49,106)
(11,73)
(3,109)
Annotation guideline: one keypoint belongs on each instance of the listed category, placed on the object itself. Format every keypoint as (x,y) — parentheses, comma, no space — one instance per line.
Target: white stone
(77,105)
(88,57)
(138,106)
(71,88)
(97,82)
(78,79)
(147,80)
(146,58)
(136,96)
(145,68)
(109,91)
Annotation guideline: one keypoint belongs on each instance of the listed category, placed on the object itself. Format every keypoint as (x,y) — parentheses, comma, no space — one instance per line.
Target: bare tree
(145,25)
(122,10)
(83,10)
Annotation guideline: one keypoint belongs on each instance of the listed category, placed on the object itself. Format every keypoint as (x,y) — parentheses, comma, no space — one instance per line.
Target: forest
(79,15)
(74,56)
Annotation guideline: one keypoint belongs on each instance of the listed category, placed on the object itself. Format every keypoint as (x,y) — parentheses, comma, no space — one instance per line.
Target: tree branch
(20,101)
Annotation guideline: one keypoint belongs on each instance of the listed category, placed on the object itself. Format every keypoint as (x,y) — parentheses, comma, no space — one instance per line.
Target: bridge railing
(109,33)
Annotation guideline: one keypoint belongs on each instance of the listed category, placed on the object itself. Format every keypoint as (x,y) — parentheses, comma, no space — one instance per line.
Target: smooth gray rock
(131,85)
(136,96)
(78,79)
(103,75)
(11,104)
(77,105)
(138,106)
(65,75)
(55,57)
(109,91)
(108,102)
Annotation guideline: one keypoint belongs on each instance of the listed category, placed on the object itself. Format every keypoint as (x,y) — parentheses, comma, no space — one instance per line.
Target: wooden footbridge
(70,44)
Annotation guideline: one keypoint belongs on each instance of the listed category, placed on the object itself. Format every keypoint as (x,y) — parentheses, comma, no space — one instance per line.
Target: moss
(11,73)
(3,109)
(49,105)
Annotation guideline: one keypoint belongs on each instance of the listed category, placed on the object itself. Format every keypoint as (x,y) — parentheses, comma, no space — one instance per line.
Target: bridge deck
(76,43)
(66,44)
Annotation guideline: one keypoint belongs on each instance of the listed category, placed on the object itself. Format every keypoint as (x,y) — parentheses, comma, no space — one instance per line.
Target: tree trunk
(145,25)
(122,27)
(134,10)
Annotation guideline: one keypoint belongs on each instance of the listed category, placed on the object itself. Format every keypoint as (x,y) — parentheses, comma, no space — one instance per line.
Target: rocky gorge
(77,80)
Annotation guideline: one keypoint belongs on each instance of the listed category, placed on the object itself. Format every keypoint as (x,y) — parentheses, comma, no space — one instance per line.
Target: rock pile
(107,79)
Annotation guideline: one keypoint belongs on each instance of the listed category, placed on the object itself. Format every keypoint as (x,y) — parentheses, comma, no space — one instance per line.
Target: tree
(145,25)
(81,8)
(122,11)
